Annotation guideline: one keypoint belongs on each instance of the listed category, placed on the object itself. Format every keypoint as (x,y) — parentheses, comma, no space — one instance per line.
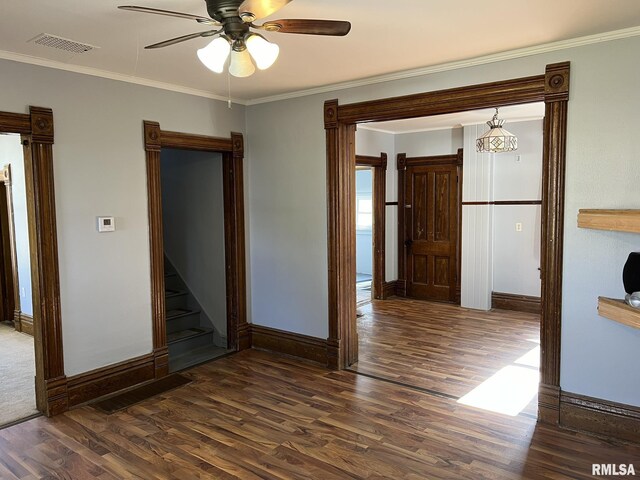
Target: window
(364,213)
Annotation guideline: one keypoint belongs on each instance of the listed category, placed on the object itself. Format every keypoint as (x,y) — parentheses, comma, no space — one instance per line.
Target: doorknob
(408,242)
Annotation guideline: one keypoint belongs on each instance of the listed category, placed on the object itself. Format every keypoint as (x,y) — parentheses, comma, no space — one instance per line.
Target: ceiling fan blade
(261,8)
(168,13)
(309,27)
(183,38)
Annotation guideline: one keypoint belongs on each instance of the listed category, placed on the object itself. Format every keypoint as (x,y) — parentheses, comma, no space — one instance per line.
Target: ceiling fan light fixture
(241,64)
(496,139)
(263,52)
(214,55)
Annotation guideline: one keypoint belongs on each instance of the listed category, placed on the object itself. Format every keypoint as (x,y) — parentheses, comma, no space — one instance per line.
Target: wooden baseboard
(25,323)
(518,303)
(289,343)
(389,289)
(601,417)
(401,288)
(549,404)
(103,381)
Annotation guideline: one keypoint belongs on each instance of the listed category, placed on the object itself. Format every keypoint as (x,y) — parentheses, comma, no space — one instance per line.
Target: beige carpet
(17,372)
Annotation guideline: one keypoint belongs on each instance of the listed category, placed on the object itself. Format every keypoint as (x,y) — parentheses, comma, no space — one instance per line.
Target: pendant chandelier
(496,139)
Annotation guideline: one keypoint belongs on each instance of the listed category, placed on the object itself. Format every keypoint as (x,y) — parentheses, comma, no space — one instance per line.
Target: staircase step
(196,357)
(183,341)
(178,313)
(175,298)
(170,293)
(180,319)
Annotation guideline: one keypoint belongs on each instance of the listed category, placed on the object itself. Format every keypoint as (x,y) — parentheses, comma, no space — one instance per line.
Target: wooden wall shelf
(617,220)
(619,311)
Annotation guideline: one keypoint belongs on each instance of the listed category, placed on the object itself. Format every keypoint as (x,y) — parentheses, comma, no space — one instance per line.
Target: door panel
(431,209)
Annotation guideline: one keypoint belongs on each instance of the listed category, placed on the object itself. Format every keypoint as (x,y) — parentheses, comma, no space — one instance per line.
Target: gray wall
(11,153)
(99,168)
(433,142)
(193,224)
(288,205)
(518,176)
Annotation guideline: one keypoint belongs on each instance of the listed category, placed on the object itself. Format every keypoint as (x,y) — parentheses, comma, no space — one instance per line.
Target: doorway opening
(17,363)
(364,234)
(341,121)
(422,338)
(226,154)
(194,256)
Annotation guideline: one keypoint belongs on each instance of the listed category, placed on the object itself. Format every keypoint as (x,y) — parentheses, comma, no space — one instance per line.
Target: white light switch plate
(106,224)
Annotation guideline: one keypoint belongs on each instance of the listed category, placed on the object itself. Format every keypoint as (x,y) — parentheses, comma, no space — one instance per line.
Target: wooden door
(431,231)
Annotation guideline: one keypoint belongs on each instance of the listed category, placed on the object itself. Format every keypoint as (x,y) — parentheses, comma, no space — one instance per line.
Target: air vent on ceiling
(48,40)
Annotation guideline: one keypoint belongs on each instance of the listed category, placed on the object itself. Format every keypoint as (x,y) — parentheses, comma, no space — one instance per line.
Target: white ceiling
(387,36)
(511,114)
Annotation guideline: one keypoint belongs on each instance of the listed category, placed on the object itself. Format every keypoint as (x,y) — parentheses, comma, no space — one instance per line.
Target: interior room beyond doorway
(481,357)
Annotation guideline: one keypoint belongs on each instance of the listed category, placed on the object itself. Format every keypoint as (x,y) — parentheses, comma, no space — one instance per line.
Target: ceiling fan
(236,37)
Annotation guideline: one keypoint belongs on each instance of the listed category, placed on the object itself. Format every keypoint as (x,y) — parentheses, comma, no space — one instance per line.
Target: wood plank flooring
(442,347)
(255,415)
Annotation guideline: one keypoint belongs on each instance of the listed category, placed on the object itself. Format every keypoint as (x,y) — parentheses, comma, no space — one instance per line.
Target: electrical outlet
(518,227)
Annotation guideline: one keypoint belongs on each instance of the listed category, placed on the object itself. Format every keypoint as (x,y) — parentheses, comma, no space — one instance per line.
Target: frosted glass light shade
(496,139)
(241,64)
(263,52)
(214,55)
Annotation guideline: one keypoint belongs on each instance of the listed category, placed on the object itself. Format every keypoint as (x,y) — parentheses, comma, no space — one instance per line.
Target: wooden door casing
(6,272)
(431,231)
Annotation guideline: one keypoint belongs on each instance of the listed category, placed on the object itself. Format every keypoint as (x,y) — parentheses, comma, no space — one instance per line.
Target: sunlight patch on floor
(508,391)
(530,359)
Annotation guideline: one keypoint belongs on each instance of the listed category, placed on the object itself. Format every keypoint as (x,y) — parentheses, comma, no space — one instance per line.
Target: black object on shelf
(631,273)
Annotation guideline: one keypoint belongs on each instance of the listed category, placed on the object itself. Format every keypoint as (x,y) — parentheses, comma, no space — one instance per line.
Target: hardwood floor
(255,415)
(444,348)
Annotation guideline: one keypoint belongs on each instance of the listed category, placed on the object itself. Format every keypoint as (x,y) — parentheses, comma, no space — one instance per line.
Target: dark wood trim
(401,288)
(548,403)
(289,343)
(370,161)
(401,166)
(188,141)
(389,289)
(238,333)
(24,323)
(518,303)
(379,167)
(461,99)
(37,135)
(432,160)
(232,150)
(556,93)
(339,124)
(506,202)
(601,417)
(103,381)
(15,123)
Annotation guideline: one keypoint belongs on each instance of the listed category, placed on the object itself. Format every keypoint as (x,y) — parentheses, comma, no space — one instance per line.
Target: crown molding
(497,57)
(96,72)
(485,59)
